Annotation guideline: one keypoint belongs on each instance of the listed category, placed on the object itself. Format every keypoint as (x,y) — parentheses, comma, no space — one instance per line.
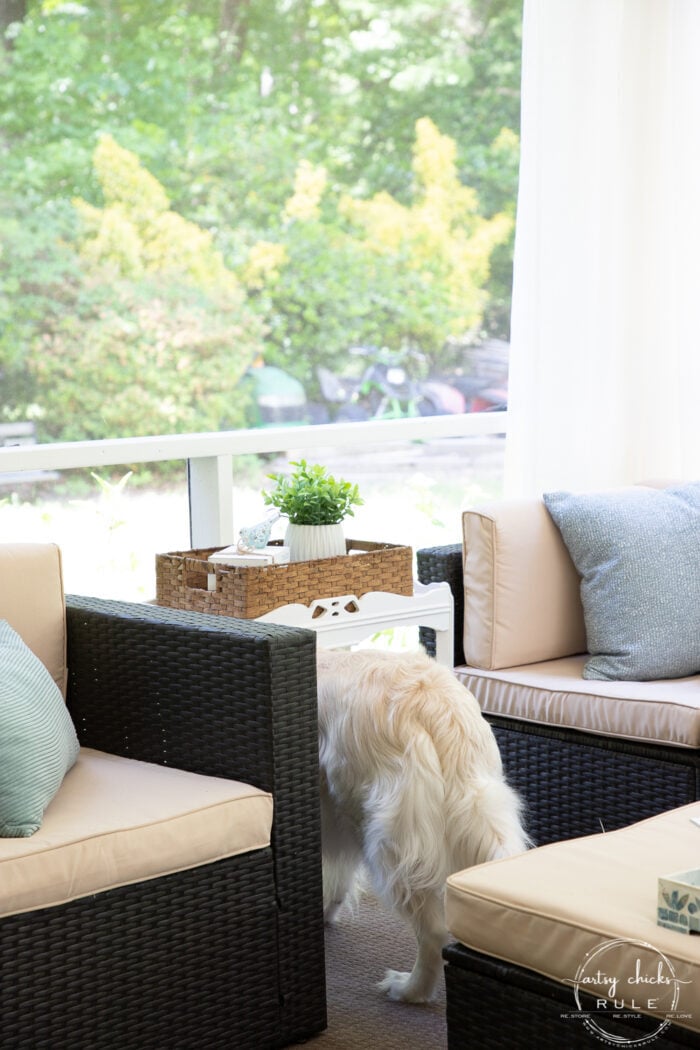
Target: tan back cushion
(32,601)
(521,590)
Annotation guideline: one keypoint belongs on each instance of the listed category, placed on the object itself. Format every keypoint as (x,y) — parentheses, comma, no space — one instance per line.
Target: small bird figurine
(255,537)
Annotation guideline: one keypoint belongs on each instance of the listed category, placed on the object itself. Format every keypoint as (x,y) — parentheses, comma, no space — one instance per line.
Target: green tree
(441,235)
(139,358)
(40,275)
(220,101)
(155,335)
(136,232)
(349,270)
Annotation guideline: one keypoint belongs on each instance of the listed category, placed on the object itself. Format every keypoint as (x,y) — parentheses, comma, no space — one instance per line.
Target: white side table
(346,619)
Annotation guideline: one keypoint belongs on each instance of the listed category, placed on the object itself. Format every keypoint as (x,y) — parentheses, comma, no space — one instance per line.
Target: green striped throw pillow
(38,742)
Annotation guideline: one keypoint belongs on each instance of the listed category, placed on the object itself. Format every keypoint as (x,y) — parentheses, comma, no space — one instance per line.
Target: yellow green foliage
(158,333)
(137,233)
(506,141)
(263,264)
(309,186)
(378,270)
(441,236)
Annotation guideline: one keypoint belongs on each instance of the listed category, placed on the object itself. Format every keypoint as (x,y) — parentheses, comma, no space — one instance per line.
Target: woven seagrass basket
(186,580)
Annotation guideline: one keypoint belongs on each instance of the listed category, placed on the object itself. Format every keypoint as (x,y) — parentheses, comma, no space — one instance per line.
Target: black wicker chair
(229,954)
(571,781)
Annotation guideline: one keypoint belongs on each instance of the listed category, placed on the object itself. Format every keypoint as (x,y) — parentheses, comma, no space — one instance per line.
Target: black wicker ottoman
(560,947)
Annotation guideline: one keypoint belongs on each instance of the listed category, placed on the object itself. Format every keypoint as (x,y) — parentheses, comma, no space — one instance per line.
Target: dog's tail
(483,815)
(405,827)
(485,822)
(421,826)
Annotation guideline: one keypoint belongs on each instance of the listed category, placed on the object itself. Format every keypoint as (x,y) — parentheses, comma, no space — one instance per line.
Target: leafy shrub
(40,273)
(151,357)
(158,335)
(355,271)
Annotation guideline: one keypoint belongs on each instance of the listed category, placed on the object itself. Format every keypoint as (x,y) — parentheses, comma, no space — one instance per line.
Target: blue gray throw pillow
(637,551)
(38,742)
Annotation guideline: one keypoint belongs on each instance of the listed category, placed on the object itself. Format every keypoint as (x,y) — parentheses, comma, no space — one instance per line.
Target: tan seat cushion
(116,821)
(548,908)
(555,693)
(521,591)
(32,602)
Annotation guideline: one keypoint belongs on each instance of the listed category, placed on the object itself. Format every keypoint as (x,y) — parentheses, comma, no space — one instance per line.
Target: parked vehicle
(278,399)
(385,390)
(445,397)
(483,376)
(478,394)
(387,386)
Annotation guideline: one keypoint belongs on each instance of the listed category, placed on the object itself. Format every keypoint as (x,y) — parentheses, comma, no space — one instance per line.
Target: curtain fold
(605,345)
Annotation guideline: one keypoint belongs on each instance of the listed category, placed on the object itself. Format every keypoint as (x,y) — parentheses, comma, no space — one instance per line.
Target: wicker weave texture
(494,1005)
(435,565)
(575,784)
(230,954)
(250,591)
(167,963)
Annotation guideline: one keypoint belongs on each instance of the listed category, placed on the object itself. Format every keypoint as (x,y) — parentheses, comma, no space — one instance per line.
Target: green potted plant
(315,504)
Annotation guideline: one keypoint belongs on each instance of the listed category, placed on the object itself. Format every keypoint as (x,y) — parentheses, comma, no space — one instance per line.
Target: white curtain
(605,347)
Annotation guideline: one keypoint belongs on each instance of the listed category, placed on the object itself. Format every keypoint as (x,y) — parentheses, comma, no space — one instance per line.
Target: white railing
(210,456)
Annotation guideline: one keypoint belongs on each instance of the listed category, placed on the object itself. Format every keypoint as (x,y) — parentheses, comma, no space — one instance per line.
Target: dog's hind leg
(342,859)
(425,914)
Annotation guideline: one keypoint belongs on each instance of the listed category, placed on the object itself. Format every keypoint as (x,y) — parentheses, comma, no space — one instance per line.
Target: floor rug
(359,948)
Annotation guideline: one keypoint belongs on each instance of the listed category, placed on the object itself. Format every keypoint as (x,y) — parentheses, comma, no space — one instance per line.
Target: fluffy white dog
(412,788)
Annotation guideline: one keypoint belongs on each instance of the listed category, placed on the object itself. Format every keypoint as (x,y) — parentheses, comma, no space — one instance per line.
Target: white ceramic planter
(309,542)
